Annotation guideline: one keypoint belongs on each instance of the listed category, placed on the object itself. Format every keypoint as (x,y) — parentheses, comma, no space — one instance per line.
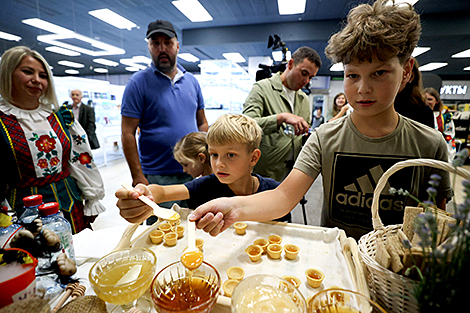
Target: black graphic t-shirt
(351,164)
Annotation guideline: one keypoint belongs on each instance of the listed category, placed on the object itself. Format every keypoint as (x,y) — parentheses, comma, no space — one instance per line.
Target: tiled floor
(115,172)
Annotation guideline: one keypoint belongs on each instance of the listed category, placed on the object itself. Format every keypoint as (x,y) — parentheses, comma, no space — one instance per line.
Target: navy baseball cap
(161,26)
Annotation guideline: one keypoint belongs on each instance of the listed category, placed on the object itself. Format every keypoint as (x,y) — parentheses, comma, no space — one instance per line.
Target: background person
(43,150)
(85,115)
(192,153)
(352,152)
(340,106)
(233,142)
(317,118)
(442,119)
(166,103)
(410,100)
(277,102)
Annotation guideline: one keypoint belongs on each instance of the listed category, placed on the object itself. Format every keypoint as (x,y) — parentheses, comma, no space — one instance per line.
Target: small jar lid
(33,200)
(48,208)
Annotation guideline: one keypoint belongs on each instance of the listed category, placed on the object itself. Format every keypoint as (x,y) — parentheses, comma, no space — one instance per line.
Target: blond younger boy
(233,143)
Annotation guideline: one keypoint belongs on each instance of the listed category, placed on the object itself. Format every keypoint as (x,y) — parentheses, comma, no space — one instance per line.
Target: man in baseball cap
(161,26)
(166,102)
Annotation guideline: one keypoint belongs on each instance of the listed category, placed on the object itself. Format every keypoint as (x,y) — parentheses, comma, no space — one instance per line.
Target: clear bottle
(51,219)
(31,204)
(7,228)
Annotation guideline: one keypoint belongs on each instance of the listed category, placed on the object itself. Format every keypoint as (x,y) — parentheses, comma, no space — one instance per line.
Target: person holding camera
(283,112)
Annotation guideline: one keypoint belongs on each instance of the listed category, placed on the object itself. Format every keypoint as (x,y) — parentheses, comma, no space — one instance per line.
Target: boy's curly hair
(384,30)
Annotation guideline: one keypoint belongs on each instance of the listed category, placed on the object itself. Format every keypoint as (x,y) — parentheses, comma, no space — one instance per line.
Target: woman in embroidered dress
(42,150)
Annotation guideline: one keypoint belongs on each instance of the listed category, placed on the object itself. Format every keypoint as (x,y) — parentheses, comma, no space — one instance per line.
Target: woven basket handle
(376,221)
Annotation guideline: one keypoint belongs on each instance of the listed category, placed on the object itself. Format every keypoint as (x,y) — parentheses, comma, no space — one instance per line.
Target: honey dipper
(68,292)
(79,291)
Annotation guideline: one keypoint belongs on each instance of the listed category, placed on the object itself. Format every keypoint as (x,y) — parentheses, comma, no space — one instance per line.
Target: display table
(326,249)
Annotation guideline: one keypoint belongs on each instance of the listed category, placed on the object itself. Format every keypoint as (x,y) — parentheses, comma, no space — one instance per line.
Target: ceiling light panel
(106,62)
(419,50)
(463,54)
(61,33)
(288,7)
(234,57)
(431,66)
(9,37)
(100,70)
(188,57)
(193,10)
(337,67)
(72,72)
(63,51)
(112,18)
(71,64)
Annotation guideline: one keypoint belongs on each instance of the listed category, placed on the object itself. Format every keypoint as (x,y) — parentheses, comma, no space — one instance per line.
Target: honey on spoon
(192,258)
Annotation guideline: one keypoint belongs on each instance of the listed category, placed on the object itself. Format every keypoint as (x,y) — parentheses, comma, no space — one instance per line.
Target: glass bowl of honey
(268,294)
(177,289)
(122,276)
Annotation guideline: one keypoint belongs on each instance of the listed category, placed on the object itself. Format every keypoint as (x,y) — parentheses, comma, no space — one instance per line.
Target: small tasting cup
(228,287)
(165,227)
(156,236)
(275,250)
(236,273)
(254,252)
(291,251)
(275,239)
(199,243)
(314,277)
(263,243)
(180,231)
(240,228)
(293,280)
(170,239)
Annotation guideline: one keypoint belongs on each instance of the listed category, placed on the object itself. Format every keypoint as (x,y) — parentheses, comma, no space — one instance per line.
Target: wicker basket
(391,290)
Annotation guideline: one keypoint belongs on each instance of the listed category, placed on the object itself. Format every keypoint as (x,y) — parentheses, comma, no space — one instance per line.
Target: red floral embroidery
(45,143)
(54,161)
(85,158)
(42,163)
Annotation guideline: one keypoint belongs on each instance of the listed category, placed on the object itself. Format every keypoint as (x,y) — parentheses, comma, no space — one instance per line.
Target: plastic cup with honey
(235,272)
(164,227)
(275,239)
(291,251)
(156,236)
(180,231)
(254,252)
(263,243)
(240,228)
(275,251)
(293,280)
(314,277)
(199,243)
(170,239)
(228,286)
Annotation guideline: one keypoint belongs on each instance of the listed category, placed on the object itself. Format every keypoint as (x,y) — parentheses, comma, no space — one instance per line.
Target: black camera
(267,71)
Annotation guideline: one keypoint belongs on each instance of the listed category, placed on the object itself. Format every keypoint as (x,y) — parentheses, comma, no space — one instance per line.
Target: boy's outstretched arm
(217,215)
(136,211)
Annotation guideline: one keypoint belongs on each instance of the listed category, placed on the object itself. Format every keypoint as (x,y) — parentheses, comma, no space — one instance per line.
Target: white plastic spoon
(192,258)
(165,214)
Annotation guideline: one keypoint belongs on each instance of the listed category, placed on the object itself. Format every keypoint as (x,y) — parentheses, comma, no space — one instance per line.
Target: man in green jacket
(277,104)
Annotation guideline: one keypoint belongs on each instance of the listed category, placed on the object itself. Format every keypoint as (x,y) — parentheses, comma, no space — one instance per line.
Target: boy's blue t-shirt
(206,188)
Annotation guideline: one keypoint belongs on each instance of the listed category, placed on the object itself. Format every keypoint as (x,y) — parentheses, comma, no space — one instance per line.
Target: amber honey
(185,294)
(335,309)
(192,259)
(314,275)
(291,249)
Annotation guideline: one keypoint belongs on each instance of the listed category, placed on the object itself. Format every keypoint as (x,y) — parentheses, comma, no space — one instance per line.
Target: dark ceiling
(238,26)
